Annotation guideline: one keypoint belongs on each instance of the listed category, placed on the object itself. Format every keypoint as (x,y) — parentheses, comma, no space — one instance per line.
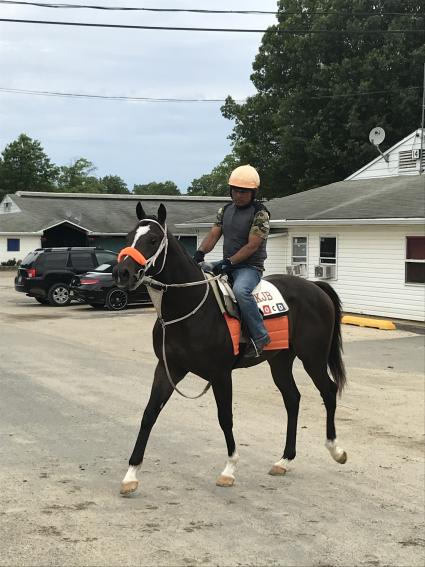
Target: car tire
(59,295)
(116,300)
(42,300)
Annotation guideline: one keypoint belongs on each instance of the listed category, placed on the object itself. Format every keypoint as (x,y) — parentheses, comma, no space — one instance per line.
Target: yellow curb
(365,322)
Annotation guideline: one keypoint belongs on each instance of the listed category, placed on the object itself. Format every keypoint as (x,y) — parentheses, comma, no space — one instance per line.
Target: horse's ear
(140,212)
(162,214)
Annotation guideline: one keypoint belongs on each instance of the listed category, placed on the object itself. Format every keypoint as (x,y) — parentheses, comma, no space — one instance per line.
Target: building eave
(66,221)
(283,223)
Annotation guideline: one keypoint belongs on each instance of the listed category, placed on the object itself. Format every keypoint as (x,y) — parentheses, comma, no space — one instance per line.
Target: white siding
(370,269)
(380,168)
(27,244)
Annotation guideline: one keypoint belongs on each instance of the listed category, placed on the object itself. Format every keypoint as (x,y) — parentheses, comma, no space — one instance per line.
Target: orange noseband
(134,254)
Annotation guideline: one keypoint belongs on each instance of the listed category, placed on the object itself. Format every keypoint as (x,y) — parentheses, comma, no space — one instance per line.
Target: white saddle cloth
(268,297)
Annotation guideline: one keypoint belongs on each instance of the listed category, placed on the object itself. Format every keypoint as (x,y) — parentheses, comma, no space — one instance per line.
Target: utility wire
(169,99)
(197,11)
(231,30)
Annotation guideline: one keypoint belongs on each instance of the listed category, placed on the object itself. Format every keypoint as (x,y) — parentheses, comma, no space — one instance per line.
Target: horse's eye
(153,240)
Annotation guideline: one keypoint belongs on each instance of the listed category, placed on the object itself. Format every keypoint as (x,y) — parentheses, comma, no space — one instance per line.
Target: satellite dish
(377,135)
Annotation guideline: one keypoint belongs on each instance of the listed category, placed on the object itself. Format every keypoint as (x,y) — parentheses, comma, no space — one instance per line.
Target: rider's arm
(211,239)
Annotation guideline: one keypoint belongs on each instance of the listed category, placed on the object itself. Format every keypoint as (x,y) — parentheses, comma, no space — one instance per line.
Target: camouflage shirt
(260,223)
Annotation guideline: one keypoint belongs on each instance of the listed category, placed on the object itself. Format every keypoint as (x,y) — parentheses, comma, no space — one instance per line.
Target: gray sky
(140,142)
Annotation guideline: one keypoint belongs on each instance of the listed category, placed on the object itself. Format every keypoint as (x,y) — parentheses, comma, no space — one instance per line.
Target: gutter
(284,223)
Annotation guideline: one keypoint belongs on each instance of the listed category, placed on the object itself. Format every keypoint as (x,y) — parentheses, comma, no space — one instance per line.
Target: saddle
(271,304)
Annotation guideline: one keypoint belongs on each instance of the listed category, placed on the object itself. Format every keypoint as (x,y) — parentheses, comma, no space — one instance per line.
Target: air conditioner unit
(324,272)
(300,269)
(319,271)
(416,154)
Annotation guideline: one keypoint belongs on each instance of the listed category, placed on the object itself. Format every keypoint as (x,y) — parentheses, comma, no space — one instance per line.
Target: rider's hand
(199,256)
(222,267)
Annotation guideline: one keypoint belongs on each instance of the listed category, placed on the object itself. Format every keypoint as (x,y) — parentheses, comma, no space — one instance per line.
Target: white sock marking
(230,467)
(334,450)
(283,464)
(131,474)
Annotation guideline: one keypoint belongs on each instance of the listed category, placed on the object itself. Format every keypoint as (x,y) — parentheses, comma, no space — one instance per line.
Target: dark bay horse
(197,340)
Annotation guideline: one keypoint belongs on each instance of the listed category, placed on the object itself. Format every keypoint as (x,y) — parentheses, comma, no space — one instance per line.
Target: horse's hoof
(342,459)
(225,481)
(129,487)
(277,471)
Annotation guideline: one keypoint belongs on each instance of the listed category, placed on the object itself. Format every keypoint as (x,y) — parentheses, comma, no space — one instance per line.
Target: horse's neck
(178,267)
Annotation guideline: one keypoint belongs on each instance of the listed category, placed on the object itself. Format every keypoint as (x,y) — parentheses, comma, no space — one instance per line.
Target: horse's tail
(335,362)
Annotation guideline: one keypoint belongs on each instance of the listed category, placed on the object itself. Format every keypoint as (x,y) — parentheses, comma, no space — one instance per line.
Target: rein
(157,292)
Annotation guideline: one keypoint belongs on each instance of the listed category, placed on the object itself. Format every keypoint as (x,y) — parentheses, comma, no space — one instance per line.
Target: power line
(58,5)
(187,100)
(106,97)
(231,30)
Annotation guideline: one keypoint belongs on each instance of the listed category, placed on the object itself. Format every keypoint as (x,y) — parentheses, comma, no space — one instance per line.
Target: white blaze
(140,232)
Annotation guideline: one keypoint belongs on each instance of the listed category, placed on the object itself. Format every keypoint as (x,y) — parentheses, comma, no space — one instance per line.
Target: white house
(364,235)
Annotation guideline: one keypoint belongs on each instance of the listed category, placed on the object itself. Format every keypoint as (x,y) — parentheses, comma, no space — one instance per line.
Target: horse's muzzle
(122,276)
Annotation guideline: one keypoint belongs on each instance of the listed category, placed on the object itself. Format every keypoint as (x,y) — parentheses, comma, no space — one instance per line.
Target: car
(46,273)
(98,289)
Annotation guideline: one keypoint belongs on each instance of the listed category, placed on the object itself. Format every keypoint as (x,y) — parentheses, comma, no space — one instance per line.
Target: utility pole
(422,161)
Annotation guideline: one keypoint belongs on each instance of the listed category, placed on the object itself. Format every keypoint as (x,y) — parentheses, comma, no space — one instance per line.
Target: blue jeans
(245,279)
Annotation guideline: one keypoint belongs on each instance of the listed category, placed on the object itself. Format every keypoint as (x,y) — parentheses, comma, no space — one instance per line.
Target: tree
(113,184)
(153,188)
(216,182)
(24,166)
(76,178)
(308,123)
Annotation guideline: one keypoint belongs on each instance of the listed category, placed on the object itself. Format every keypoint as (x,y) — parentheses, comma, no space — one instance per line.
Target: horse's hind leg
(222,388)
(328,390)
(281,368)
(160,394)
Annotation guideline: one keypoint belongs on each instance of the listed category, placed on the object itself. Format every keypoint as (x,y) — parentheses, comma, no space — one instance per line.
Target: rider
(245,226)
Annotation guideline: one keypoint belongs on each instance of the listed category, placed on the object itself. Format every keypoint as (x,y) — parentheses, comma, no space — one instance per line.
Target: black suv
(46,273)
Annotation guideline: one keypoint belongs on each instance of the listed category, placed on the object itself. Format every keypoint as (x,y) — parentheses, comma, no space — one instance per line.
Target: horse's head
(145,244)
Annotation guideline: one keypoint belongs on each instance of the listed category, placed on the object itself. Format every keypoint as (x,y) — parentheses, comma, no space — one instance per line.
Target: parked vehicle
(46,273)
(98,289)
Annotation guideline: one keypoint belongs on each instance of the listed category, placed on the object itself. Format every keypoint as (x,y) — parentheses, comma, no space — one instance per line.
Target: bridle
(157,289)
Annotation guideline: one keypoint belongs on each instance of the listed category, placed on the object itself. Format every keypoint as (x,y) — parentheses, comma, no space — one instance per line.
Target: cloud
(141,142)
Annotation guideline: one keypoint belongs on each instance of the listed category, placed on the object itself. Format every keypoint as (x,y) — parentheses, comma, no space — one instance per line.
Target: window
(82,261)
(53,261)
(327,250)
(105,257)
(299,250)
(13,244)
(415,259)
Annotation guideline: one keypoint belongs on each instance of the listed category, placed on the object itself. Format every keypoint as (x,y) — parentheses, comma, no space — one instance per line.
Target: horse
(188,311)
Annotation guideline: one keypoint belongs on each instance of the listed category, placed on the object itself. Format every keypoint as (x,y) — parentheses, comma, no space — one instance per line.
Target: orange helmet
(246,177)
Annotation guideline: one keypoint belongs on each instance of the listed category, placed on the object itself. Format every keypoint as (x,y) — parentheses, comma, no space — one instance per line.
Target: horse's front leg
(222,388)
(160,394)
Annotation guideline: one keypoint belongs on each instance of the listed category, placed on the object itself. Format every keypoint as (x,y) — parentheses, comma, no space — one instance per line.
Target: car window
(105,257)
(29,258)
(105,268)
(53,261)
(82,261)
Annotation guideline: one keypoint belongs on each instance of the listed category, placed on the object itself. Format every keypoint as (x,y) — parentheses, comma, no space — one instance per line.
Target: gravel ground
(74,383)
